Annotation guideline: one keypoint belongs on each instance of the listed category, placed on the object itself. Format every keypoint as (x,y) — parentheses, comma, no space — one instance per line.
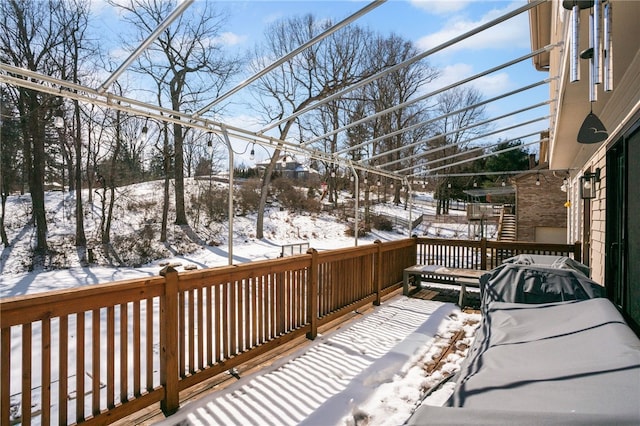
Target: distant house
(288,167)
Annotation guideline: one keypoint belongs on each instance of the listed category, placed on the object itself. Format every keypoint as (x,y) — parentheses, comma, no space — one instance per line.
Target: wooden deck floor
(153,414)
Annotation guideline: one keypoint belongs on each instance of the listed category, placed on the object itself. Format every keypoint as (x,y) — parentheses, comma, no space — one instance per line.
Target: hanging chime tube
(597,46)
(608,48)
(593,93)
(575,44)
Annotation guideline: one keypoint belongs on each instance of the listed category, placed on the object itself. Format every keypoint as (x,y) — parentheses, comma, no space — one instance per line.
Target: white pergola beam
(180,8)
(290,55)
(340,93)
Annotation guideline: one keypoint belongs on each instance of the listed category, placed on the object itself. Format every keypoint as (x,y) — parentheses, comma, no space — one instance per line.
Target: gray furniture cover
(538,279)
(555,262)
(549,350)
(571,362)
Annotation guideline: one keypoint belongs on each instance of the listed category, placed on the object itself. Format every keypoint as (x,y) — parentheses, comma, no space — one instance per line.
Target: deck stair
(507,227)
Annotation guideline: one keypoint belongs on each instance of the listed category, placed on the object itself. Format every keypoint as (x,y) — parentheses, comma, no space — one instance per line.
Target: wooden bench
(458,276)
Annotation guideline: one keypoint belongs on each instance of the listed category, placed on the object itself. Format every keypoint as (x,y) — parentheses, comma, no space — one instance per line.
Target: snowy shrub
(141,205)
(138,248)
(364,229)
(382,223)
(289,196)
(249,196)
(312,205)
(311,192)
(213,201)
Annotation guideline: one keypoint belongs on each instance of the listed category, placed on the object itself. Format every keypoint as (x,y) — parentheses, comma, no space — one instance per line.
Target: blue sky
(427,23)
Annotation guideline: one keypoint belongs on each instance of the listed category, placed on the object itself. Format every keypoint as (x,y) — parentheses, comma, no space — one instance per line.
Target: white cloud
(231,39)
(272,17)
(244,121)
(440,7)
(511,33)
(119,54)
(452,74)
(98,6)
(490,86)
(493,84)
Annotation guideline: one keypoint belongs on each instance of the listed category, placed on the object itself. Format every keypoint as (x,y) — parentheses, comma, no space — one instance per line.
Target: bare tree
(391,90)
(76,26)
(33,37)
(10,164)
(327,67)
(194,65)
(97,121)
(451,141)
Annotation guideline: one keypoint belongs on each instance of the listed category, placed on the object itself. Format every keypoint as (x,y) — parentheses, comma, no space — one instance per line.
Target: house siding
(598,215)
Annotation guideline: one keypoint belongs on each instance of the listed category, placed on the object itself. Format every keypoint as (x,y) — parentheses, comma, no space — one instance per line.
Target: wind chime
(600,56)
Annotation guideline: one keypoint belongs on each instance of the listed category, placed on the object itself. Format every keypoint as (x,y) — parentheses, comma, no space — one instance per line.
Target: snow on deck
(375,370)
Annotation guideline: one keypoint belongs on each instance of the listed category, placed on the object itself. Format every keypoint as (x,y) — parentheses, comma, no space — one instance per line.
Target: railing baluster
(191,329)
(201,331)
(260,316)
(253,286)
(110,356)
(5,374)
(137,349)
(46,372)
(246,289)
(149,344)
(26,374)
(63,368)
(124,352)
(226,322)
(210,330)
(95,362)
(233,318)
(80,370)
(182,335)
(240,325)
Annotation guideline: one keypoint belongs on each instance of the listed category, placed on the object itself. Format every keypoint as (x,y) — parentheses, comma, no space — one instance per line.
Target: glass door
(622,240)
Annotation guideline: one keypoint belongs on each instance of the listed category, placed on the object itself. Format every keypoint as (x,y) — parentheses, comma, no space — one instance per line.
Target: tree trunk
(34,136)
(106,236)
(81,239)
(4,193)
(111,183)
(178,140)
(165,205)
(367,196)
(90,169)
(264,192)
(3,231)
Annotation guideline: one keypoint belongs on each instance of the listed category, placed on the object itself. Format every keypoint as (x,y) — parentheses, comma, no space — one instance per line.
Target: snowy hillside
(135,248)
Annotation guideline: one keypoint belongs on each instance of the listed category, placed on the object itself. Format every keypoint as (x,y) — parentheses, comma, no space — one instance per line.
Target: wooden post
(414,252)
(378,272)
(312,295)
(169,374)
(483,254)
(577,251)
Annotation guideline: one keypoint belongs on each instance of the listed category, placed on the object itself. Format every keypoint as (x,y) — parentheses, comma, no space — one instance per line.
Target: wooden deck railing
(485,254)
(100,353)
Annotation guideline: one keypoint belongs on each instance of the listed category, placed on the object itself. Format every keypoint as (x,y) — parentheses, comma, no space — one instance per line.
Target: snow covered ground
(137,211)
